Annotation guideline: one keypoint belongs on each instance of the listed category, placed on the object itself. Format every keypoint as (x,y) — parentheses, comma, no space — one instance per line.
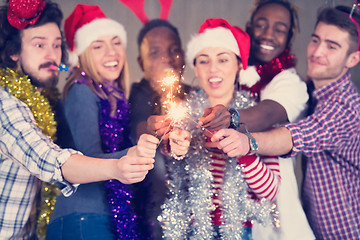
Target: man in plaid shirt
(330,137)
(31,44)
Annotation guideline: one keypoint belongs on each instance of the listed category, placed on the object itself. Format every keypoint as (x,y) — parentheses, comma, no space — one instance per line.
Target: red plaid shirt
(330,138)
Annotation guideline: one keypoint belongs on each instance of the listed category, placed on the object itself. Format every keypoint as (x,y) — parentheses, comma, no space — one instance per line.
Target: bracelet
(234,118)
(177,157)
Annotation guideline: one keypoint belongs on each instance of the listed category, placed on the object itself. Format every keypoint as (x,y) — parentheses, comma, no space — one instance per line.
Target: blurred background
(187,16)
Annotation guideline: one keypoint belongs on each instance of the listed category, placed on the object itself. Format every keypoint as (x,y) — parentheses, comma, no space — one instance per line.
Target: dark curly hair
(294,20)
(10,37)
(154,24)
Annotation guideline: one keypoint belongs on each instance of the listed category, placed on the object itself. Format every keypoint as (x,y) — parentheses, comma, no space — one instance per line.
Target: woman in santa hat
(213,196)
(97,111)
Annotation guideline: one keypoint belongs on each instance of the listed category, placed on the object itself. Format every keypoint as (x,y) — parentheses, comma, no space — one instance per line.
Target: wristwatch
(253,146)
(234,118)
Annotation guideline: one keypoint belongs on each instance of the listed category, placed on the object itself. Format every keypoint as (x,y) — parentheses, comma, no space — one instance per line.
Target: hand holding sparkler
(146,147)
(179,143)
(157,125)
(215,118)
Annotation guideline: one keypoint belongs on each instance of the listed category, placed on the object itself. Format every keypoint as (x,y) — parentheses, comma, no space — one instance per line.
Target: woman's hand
(139,160)
(146,147)
(179,142)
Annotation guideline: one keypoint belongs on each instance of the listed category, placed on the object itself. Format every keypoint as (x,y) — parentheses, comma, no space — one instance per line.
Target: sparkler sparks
(176,112)
(169,85)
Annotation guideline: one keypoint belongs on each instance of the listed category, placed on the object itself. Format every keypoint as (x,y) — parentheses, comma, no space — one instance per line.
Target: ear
(353,59)
(15,57)
(140,62)
(240,66)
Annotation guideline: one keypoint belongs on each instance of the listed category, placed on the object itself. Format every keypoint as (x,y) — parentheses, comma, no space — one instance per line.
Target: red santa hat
(20,13)
(86,24)
(217,32)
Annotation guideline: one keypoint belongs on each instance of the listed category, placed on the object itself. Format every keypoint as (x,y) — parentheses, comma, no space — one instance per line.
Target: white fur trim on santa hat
(211,37)
(249,76)
(91,31)
(73,59)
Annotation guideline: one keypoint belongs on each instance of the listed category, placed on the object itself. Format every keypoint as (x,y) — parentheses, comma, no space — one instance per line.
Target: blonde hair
(86,65)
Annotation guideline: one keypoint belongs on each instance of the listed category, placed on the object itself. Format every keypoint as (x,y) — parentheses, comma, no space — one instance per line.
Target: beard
(48,83)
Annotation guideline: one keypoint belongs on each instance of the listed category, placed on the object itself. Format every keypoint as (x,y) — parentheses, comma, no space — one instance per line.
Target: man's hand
(157,125)
(232,142)
(179,141)
(215,118)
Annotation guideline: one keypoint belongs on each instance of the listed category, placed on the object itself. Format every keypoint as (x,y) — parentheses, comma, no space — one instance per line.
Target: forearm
(263,116)
(262,176)
(275,142)
(81,169)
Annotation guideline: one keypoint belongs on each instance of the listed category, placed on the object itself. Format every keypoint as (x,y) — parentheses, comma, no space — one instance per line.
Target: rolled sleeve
(66,187)
(298,141)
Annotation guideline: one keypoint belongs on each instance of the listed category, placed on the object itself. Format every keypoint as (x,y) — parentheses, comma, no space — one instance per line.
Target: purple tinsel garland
(115,137)
(114,132)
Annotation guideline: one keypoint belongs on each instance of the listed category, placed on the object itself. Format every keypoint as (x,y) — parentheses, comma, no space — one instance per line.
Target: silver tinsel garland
(186,214)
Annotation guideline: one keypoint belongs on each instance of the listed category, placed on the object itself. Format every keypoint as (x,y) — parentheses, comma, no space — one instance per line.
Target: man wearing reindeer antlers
(160,55)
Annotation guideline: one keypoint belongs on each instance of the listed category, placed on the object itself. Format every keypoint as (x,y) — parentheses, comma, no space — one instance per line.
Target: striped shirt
(26,155)
(330,138)
(261,174)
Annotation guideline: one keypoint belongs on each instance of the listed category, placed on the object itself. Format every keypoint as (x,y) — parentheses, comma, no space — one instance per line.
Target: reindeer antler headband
(137,7)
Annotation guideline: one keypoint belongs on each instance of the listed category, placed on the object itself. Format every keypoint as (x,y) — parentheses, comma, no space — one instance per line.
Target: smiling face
(327,54)
(160,51)
(108,57)
(40,49)
(270,29)
(216,68)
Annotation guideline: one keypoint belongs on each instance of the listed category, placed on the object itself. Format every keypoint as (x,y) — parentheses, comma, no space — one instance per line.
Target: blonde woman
(97,111)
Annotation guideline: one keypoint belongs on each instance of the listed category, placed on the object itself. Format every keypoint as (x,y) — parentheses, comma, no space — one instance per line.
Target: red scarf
(269,70)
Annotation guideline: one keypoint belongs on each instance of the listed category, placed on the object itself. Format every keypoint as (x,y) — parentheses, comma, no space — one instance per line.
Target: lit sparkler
(169,84)
(175,112)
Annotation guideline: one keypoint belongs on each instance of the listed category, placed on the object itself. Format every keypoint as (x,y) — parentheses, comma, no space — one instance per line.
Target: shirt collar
(327,90)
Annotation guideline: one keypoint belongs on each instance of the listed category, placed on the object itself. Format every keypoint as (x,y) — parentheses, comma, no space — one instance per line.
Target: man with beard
(31,48)
(330,136)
